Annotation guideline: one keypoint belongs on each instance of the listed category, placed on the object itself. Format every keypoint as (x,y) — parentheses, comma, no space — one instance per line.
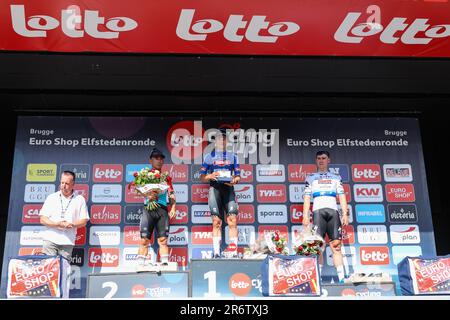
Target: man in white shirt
(62,213)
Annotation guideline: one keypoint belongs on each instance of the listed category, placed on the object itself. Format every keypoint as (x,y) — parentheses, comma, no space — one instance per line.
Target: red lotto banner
(37,277)
(422,276)
(252,27)
(291,276)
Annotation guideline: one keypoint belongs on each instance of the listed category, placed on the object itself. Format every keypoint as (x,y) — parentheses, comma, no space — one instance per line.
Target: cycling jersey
(226,163)
(323,188)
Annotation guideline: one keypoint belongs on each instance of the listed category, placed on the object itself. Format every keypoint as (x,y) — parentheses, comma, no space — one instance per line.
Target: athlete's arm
(204,176)
(343,202)
(307,201)
(236,171)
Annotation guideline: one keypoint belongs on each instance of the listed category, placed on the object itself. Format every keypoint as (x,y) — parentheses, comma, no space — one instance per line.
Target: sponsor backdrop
(251,27)
(380,162)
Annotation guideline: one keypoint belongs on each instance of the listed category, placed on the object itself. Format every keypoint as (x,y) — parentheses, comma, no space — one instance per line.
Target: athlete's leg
(162,229)
(321,224)
(215,205)
(333,229)
(229,199)
(146,230)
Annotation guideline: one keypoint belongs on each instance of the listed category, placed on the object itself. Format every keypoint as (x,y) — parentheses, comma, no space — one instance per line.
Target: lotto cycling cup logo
(188,141)
(240,284)
(185,141)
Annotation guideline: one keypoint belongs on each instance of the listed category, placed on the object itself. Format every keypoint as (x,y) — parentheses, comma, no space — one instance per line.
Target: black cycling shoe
(216,256)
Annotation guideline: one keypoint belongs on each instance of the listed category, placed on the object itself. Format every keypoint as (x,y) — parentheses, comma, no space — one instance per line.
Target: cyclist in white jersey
(324,187)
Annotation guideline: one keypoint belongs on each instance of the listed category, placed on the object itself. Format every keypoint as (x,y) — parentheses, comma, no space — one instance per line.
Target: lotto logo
(108,173)
(366,173)
(103,257)
(246,173)
(374,255)
(240,284)
(181,216)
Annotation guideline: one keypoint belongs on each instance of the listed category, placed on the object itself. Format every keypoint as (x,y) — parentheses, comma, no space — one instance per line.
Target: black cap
(156,152)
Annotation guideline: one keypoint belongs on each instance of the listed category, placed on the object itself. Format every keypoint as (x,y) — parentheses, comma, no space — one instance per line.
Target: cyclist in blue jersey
(221,170)
(324,186)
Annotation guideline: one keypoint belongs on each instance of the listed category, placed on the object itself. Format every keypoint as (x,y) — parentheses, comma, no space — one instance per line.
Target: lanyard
(64,210)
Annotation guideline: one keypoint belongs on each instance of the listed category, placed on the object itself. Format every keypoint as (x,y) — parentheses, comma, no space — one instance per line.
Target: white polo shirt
(59,208)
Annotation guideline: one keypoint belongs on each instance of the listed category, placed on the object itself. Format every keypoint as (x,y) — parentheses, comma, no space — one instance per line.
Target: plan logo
(405,234)
(244,193)
(178,235)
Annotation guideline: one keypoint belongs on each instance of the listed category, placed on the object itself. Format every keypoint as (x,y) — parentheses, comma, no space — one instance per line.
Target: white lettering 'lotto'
(351,32)
(201,28)
(37,26)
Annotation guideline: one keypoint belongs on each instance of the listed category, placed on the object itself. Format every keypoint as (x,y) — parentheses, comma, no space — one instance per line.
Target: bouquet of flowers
(276,243)
(149,180)
(308,242)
